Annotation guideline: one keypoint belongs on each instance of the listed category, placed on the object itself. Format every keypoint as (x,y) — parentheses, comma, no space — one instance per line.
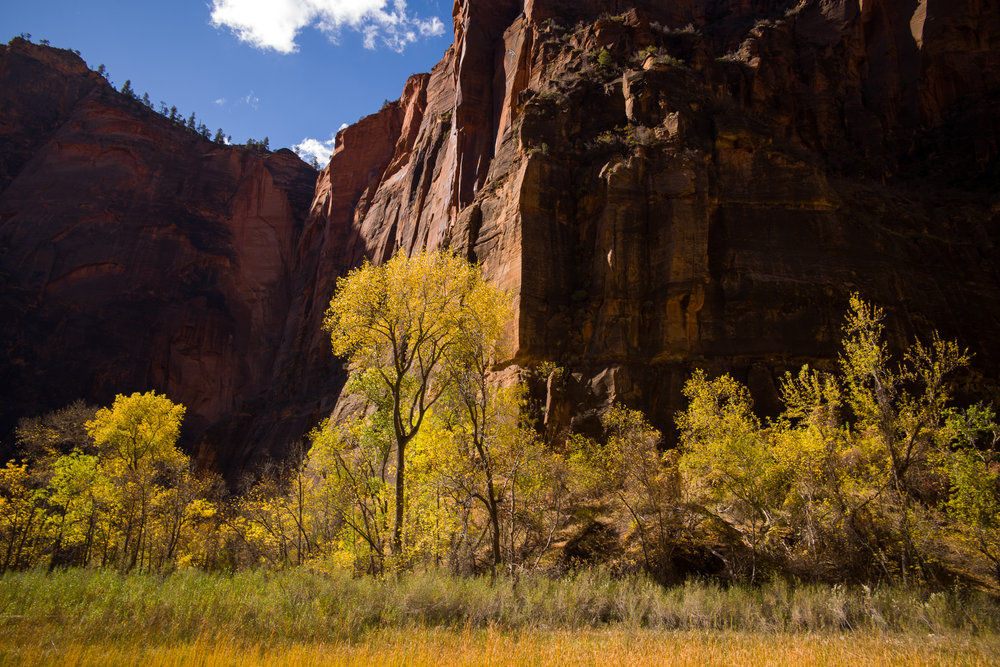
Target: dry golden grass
(86,617)
(429,646)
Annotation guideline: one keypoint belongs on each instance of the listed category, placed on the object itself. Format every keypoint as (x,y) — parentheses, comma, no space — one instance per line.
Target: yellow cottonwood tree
(400,321)
(730,457)
(20,516)
(487,412)
(137,440)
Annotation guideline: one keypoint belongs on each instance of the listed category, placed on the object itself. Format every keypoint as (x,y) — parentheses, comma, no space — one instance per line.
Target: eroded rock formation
(664,185)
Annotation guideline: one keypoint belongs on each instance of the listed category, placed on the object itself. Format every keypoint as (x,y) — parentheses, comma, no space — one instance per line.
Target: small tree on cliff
(399,322)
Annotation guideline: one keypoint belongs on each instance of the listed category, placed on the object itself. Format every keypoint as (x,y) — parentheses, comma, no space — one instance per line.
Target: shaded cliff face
(706,194)
(134,255)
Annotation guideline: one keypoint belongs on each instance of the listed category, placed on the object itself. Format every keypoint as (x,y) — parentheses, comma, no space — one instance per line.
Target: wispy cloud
(314,149)
(274,24)
(221,101)
(251,100)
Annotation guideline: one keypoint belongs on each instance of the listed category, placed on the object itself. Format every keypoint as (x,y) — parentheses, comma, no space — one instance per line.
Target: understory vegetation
(304,605)
(299,616)
(868,476)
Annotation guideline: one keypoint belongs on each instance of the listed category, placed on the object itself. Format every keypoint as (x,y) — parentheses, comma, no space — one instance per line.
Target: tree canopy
(868,474)
(138,430)
(405,323)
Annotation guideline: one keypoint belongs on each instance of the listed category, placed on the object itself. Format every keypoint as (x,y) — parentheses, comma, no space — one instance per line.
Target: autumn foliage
(868,474)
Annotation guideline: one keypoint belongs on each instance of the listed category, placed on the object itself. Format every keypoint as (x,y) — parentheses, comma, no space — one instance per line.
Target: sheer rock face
(712,195)
(134,254)
(705,194)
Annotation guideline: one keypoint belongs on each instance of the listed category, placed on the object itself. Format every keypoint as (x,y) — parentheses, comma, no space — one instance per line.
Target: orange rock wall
(135,255)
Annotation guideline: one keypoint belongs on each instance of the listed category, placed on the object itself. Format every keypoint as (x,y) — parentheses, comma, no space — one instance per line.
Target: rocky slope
(664,185)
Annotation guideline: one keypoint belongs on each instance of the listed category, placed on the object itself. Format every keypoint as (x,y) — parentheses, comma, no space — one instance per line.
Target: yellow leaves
(850,462)
(719,411)
(19,516)
(812,396)
(14,480)
(139,430)
(403,316)
(722,438)
(414,329)
(16,495)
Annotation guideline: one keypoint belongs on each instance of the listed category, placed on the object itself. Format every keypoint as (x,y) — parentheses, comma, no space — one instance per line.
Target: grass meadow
(301,617)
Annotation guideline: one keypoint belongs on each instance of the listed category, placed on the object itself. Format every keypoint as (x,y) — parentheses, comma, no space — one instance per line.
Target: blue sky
(290,70)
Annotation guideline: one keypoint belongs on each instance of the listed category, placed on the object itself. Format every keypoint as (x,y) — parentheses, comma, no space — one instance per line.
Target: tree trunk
(495,529)
(397,529)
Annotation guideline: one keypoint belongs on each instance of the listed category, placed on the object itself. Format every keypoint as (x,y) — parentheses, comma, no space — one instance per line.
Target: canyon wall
(663,185)
(135,254)
(671,185)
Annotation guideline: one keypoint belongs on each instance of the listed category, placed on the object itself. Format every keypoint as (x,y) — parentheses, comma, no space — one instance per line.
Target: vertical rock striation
(711,194)
(663,185)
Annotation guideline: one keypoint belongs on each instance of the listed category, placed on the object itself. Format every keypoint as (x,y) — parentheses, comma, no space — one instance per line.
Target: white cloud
(220,101)
(310,149)
(251,100)
(343,126)
(274,24)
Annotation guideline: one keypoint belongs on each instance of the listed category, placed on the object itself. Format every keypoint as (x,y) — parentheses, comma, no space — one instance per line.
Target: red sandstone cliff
(706,194)
(134,255)
(711,196)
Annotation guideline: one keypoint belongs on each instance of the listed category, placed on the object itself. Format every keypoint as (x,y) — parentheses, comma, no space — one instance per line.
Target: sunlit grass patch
(490,646)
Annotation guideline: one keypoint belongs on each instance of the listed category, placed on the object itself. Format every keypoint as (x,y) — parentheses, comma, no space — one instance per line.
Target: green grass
(302,605)
(301,617)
